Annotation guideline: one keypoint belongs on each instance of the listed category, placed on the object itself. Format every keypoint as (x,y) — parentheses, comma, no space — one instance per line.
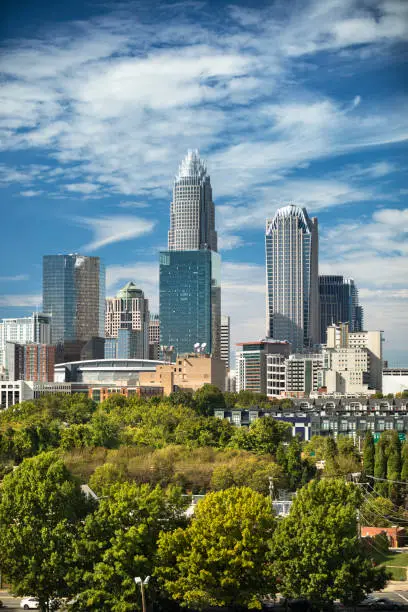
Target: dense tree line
(55,543)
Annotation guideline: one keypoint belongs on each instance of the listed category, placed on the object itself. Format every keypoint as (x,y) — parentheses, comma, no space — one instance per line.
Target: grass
(396,563)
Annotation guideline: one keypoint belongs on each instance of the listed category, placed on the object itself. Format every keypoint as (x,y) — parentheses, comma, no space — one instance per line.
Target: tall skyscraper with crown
(292,277)
(190,292)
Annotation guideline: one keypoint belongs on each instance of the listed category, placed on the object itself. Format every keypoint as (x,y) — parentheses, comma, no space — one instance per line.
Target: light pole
(142,583)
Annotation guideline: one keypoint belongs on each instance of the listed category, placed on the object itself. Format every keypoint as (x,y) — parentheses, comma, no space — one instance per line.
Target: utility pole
(142,583)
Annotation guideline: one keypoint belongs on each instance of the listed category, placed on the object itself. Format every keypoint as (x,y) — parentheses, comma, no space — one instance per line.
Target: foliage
(105,476)
(207,399)
(380,467)
(394,467)
(219,559)
(118,542)
(316,550)
(263,436)
(375,510)
(253,472)
(369,454)
(40,509)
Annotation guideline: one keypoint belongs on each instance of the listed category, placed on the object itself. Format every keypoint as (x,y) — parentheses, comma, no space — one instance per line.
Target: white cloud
(108,230)
(17,277)
(85,188)
(20,301)
(30,193)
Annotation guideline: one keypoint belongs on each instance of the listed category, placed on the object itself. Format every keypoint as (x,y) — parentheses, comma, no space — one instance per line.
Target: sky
(293,101)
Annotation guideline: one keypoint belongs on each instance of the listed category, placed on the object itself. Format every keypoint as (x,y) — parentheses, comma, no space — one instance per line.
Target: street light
(142,583)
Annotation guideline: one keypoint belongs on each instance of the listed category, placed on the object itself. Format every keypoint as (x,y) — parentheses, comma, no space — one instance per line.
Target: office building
(190,300)
(356,357)
(252,363)
(190,290)
(225,339)
(30,362)
(303,374)
(339,303)
(192,211)
(394,380)
(14,392)
(189,372)
(292,277)
(154,336)
(74,294)
(23,330)
(127,324)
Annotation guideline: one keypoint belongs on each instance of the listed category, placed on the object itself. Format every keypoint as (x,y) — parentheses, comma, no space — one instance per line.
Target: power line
(387,480)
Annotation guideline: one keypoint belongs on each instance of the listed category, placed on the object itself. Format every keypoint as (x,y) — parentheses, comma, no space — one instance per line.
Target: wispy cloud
(17,277)
(31,193)
(108,230)
(20,300)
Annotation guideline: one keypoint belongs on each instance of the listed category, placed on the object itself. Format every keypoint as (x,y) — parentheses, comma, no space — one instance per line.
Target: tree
(181,398)
(219,559)
(394,467)
(369,454)
(105,476)
(118,542)
(263,436)
(380,468)
(294,463)
(316,550)
(207,399)
(40,508)
(404,469)
(375,510)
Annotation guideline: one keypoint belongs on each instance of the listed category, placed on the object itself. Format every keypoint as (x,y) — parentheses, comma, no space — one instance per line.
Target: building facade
(292,277)
(303,374)
(192,211)
(127,324)
(189,372)
(23,330)
(154,336)
(339,303)
(252,364)
(225,351)
(74,294)
(190,289)
(30,362)
(190,300)
(395,380)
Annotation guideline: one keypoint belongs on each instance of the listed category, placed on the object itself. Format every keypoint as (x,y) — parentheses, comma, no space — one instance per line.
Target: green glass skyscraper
(190,291)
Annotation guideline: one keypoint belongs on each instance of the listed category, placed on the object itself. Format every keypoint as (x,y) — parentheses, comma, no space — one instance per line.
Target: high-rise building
(192,211)
(190,305)
(225,339)
(23,330)
(190,291)
(154,336)
(292,277)
(339,304)
(254,364)
(74,294)
(129,310)
(34,362)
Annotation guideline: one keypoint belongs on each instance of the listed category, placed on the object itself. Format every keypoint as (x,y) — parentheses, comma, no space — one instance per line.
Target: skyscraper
(339,304)
(225,339)
(190,292)
(292,277)
(129,310)
(74,294)
(154,336)
(192,211)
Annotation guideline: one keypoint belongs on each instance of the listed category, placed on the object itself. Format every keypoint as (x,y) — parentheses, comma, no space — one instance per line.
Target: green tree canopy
(118,542)
(263,436)
(207,399)
(219,559)
(316,550)
(369,454)
(40,508)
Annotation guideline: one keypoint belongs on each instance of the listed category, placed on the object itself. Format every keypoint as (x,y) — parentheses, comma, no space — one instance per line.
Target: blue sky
(297,101)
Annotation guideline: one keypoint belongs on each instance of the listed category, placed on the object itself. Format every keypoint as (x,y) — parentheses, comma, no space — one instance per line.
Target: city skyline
(92,173)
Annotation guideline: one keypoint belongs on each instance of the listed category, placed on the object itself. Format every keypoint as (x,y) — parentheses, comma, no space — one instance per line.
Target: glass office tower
(190,290)
(74,294)
(292,277)
(339,304)
(190,300)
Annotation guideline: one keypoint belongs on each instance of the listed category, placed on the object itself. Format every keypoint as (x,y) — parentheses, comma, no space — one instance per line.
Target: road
(12,603)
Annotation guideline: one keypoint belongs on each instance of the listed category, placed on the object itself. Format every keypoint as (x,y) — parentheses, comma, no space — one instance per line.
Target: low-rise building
(15,391)
(394,380)
(252,362)
(189,372)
